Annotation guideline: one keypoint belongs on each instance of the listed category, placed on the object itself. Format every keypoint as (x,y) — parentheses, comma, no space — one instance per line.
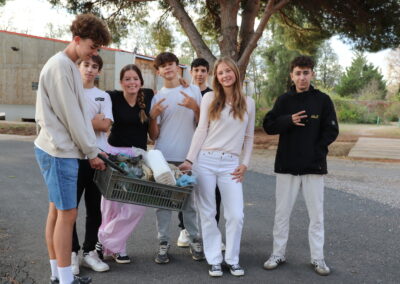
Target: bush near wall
(352,111)
(356,111)
(392,113)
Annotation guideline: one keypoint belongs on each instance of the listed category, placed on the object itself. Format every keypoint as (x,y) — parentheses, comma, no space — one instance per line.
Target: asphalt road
(362,236)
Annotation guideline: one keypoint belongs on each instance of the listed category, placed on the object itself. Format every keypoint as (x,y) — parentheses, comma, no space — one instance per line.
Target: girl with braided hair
(131,111)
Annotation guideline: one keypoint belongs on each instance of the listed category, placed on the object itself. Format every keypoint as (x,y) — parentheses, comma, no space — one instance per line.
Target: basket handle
(112,164)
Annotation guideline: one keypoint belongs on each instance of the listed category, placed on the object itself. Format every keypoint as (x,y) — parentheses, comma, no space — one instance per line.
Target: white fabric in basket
(161,171)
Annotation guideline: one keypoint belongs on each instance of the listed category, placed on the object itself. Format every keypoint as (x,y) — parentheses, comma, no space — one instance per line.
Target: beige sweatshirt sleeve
(68,104)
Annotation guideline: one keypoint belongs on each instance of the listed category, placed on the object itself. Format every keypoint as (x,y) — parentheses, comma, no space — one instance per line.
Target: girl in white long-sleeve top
(225,130)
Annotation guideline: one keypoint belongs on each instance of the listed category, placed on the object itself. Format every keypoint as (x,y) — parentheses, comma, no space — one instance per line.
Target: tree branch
(271,8)
(291,23)
(191,31)
(140,0)
(250,11)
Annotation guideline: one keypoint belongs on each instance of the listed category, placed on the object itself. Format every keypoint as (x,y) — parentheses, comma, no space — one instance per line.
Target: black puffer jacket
(302,149)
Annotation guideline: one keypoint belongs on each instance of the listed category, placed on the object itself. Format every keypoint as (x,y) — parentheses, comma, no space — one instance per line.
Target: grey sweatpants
(189,219)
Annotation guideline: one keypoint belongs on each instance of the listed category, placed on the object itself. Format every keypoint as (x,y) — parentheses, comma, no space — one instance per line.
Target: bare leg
(50,224)
(62,238)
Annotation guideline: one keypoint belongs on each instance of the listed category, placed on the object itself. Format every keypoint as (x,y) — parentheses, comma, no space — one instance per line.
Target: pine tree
(358,76)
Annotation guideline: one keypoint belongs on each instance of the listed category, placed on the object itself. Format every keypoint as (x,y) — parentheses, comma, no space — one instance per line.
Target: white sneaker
(215,270)
(320,267)
(93,261)
(183,240)
(236,270)
(274,261)
(75,263)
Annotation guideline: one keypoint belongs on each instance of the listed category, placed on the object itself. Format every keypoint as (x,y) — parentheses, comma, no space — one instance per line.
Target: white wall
(17,112)
(121,59)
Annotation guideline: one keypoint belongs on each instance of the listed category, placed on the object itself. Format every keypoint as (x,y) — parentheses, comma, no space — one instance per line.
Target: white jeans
(287,188)
(215,167)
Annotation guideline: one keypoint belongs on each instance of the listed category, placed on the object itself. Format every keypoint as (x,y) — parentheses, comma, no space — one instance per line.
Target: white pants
(215,167)
(287,188)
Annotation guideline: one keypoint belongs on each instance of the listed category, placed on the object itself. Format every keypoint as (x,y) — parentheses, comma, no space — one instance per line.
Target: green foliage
(262,107)
(209,22)
(278,57)
(392,113)
(372,91)
(328,70)
(298,33)
(117,13)
(369,24)
(358,76)
(350,111)
(162,37)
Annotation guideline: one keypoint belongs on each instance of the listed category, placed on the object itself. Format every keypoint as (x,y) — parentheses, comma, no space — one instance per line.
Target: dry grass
(17,128)
(370,130)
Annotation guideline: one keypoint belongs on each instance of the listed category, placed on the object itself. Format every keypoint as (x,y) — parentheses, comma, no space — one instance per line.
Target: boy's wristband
(189,161)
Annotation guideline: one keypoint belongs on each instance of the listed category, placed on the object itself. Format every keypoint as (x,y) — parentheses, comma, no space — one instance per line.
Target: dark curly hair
(88,26)
(302,61)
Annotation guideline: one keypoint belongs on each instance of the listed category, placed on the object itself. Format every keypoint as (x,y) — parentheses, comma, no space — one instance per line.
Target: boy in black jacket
(305,120)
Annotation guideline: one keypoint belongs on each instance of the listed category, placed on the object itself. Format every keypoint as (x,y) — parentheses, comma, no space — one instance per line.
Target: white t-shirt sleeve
(107,107)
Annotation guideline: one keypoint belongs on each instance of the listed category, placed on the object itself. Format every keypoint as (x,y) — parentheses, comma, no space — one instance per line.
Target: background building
(22,58)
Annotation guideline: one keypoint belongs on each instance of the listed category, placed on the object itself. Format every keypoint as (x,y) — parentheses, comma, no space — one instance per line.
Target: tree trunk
(251,43)
(229,30)
(191,31)
(228,41)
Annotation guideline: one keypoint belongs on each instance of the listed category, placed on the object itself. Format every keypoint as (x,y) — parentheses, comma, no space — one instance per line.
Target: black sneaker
(82,280)
(215,270)
(123,259)
(162,253)
(236,270)
(99,250)
(54,280)
(196,249)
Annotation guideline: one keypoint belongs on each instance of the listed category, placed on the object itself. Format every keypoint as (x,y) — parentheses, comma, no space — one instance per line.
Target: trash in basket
(114,184)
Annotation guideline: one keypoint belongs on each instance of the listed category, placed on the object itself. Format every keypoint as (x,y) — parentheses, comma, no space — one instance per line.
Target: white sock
(53,266)
(66,276)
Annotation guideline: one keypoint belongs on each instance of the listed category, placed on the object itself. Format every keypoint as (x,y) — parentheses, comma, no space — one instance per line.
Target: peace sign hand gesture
(157,109)
(298,116)
(188,102)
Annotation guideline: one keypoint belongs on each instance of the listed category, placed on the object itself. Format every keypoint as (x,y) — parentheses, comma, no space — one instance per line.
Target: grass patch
(26,129)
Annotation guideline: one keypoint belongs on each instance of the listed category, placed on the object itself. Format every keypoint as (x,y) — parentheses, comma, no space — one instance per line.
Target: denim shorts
(60,176)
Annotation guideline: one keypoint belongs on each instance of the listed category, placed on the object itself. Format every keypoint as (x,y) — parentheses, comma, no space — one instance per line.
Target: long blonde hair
(239,106)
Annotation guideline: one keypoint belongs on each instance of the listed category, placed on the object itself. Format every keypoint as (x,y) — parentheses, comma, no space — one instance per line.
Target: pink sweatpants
(118,219)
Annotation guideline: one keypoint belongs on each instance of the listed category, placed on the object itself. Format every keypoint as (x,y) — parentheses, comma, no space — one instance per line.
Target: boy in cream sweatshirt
(66,135)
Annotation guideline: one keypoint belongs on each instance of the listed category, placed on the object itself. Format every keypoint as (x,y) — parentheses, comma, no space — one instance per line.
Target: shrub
(348,110)
(392,113)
